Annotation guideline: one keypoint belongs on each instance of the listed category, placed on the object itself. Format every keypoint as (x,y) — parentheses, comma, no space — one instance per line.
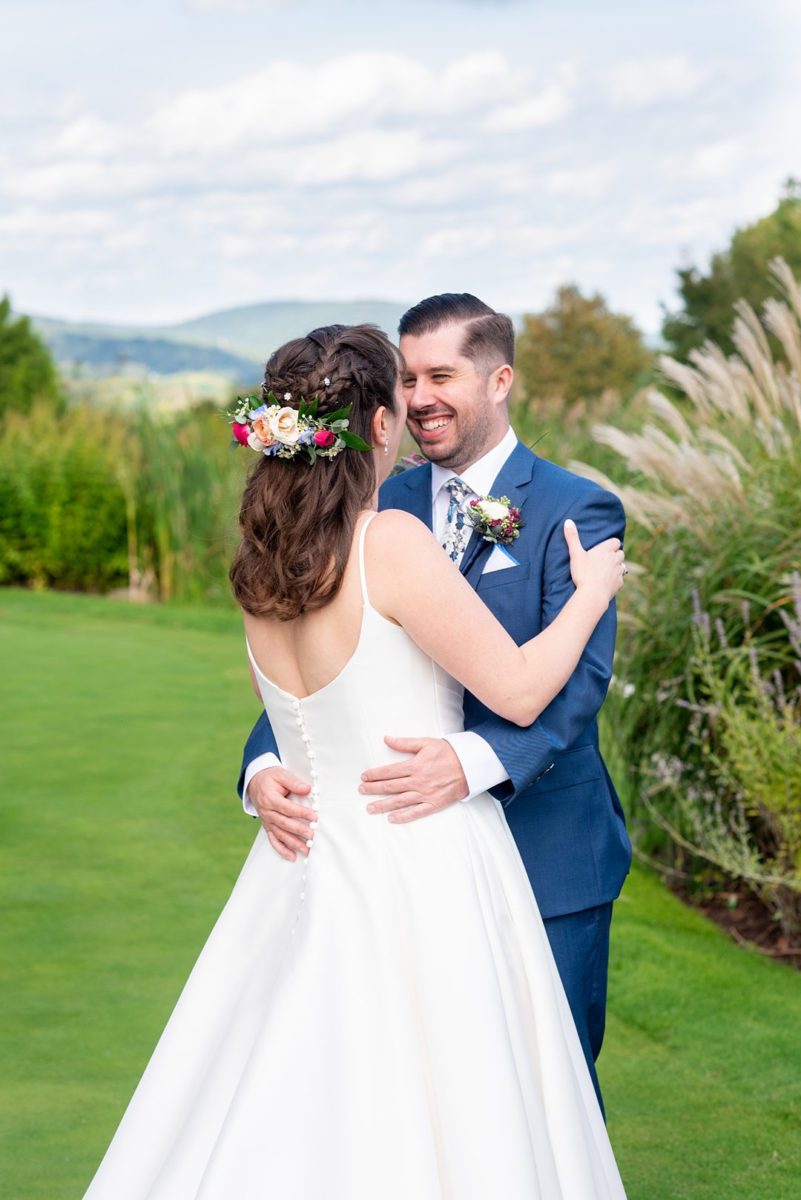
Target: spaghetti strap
(362,575)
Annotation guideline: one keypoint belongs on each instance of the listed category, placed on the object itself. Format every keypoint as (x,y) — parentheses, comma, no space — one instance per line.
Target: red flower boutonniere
(495,520)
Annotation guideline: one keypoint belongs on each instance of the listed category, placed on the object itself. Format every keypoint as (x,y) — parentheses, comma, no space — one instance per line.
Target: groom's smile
(429,430)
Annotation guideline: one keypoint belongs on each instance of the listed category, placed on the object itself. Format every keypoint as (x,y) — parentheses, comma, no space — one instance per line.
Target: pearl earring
(386,447)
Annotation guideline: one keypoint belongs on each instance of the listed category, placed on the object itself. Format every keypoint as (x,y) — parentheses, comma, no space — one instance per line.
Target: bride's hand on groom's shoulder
(601,569)
(286,820)
(430,779)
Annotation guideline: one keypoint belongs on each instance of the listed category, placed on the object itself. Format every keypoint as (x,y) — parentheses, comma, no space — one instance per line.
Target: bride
(380,1019)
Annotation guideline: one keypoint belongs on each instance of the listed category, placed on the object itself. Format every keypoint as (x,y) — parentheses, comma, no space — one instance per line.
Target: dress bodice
(387,686)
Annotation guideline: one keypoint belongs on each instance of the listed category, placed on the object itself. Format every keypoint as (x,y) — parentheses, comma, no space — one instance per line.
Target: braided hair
(297,519)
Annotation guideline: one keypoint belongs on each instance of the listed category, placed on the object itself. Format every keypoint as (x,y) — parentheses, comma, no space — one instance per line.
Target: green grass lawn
(121,837)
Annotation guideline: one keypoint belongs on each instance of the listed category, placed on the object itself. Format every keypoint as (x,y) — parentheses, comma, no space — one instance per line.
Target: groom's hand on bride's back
(286,821)
(428,781)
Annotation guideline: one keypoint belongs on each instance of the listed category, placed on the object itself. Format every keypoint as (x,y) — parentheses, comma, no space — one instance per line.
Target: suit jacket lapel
(513,481)
(418,481)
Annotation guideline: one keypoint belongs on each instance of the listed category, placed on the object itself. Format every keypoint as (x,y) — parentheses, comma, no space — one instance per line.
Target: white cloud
(89,135)
(288,100)
(236,5)
(34,223)
(398,168)
(471,82)
(492,236)
(544,107)
(466,240)
(548,106)
(369,155)
(642,82)
(716,160)
(588,182)
(681,222)
(78,179)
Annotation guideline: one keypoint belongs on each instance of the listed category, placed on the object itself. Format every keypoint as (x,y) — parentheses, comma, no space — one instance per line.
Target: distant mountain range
(234,342)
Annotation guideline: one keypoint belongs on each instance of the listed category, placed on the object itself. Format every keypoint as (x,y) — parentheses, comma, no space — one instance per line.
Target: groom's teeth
(439,424)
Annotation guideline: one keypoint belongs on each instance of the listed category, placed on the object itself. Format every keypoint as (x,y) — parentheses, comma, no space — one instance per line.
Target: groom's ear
(501,383)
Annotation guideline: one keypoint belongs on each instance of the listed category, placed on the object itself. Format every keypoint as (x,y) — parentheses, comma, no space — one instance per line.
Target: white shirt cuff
(257,764)
(482,767)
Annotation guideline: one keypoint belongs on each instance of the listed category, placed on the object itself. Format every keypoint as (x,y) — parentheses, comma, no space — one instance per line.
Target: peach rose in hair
(262,430)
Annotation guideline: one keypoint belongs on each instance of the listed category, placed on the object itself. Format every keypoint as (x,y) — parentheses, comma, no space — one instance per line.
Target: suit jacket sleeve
(261,741)
(528,753)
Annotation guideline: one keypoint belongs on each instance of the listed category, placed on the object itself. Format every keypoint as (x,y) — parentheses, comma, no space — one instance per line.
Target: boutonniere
(495,520)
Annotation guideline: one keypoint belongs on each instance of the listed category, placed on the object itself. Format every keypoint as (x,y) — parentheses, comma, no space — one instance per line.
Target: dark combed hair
(297,520)
(489,338)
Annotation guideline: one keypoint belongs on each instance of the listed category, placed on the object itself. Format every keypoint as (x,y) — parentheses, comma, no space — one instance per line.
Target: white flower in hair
(327,381)
(287,395)
(283,425)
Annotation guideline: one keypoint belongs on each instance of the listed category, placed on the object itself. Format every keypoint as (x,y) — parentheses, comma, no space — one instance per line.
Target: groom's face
(453,413)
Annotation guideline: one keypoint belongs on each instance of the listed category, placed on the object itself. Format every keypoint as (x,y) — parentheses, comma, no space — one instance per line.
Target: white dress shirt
(481,765)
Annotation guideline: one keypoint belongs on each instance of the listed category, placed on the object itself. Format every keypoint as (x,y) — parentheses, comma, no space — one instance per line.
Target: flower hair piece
(270,426)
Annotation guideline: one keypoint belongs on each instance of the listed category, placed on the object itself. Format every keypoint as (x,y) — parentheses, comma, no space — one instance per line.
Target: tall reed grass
(707,699)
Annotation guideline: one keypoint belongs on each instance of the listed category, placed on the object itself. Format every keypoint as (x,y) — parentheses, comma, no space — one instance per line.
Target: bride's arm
(412,582)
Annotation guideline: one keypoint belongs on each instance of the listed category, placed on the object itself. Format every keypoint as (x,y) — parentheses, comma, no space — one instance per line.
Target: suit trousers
(580,945)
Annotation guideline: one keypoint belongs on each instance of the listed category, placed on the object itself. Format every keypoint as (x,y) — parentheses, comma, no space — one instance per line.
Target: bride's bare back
(304,655)
(413,584)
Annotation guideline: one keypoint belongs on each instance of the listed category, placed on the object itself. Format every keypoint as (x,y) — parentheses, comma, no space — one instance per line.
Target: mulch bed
(748,922)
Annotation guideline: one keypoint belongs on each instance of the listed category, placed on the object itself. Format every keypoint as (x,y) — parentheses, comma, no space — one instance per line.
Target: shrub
(95,499)
(62,511)
(27,370)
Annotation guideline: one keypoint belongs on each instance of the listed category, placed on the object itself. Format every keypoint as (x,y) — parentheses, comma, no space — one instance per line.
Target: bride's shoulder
(404,560)
(398,518)
(398,532)
(395,522)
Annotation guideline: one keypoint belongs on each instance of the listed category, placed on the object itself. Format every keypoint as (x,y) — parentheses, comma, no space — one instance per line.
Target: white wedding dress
(380,1021)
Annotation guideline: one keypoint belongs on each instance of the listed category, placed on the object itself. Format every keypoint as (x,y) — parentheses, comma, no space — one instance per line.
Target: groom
(559,800)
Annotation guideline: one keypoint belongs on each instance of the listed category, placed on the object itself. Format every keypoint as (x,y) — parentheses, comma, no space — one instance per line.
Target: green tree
(578,349)
(739,272)
(27,371)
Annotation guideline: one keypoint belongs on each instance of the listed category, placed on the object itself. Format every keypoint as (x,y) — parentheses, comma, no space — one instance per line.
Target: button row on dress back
(315,800)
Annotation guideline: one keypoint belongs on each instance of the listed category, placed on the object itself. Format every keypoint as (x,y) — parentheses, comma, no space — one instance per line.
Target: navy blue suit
(559,800)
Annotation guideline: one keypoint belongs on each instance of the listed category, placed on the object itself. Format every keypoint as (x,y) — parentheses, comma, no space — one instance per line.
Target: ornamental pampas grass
(712,487)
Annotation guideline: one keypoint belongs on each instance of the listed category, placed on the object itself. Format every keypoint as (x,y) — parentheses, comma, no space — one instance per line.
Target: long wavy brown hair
(298,519)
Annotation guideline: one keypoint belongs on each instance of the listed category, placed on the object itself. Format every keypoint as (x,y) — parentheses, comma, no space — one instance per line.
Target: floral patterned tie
(457,526)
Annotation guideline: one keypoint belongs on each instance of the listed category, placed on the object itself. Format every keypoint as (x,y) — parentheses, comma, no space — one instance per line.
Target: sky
(166,158)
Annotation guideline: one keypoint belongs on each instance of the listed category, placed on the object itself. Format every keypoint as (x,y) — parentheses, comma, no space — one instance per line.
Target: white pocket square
(499,560)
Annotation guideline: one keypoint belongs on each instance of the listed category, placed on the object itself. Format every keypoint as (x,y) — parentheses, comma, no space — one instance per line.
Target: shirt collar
(481,475)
